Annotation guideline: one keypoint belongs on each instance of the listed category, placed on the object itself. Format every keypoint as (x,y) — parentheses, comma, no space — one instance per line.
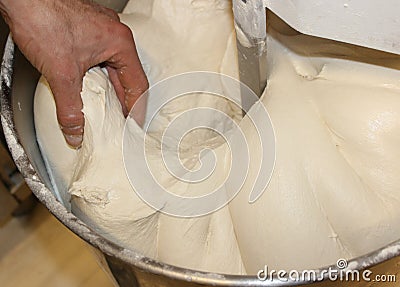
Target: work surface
(37,250)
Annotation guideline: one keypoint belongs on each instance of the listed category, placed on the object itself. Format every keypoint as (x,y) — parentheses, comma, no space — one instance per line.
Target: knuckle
(124,32)
(113,14)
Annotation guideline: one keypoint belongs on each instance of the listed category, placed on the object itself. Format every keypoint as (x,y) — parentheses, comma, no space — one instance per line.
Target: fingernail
(74,141)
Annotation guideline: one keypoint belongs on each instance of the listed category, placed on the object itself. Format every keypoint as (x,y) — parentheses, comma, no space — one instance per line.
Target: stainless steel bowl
(128,267)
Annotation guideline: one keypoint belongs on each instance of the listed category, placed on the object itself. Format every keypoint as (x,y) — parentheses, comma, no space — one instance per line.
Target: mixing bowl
(126,267)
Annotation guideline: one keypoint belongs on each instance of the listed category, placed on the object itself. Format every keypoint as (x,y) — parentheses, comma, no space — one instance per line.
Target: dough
(336,113)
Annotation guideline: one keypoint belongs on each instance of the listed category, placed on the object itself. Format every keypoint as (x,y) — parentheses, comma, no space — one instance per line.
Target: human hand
(65,38)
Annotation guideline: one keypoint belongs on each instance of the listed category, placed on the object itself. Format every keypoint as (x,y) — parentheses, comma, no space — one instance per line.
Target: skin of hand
(65,38)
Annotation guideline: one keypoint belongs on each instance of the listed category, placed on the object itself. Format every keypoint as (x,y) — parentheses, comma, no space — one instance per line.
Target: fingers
(66,91)
(134,85)
(119,89)
(128,77)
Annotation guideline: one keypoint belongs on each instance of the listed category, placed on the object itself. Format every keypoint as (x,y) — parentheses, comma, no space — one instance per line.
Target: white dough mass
(335,109)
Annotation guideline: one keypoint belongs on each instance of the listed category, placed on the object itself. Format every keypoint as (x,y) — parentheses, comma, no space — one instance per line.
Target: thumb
(69,108)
